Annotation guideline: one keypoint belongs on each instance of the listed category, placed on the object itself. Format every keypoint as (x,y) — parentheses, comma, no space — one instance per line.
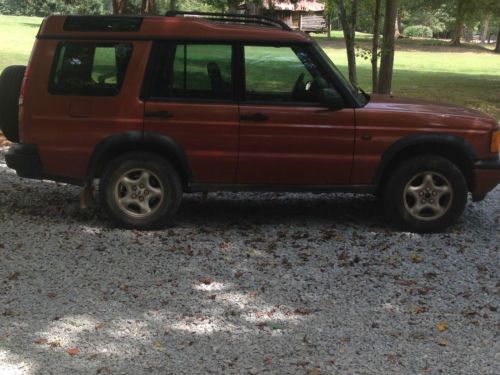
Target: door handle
(254,117)
(158,114)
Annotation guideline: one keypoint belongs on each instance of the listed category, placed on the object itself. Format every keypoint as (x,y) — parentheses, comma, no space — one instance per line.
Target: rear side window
(89,69)
(194,71)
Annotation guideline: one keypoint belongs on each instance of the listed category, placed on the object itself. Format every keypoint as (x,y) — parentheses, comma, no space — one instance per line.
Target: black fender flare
(113,145)
(434,139)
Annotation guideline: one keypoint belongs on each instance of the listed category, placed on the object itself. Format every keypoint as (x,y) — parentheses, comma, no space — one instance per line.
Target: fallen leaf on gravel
(302,311)
(51,295)
(98,326)
(403,282)
(442,326)
(157,345)
(104,370)
(55,344)
(343,256)
(313,371)
(40,341)
(469,313)
(206,280)
(267,360)
(73,351)
(418,310)
(426,370)
(238,274)
(123,288)
(13,276)
(392,357)
(415,258)
(442,342)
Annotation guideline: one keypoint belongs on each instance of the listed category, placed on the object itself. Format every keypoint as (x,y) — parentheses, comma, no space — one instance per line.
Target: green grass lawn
(426,69)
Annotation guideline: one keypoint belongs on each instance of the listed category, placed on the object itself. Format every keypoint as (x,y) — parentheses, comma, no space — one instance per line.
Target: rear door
(287,137)
(191,101)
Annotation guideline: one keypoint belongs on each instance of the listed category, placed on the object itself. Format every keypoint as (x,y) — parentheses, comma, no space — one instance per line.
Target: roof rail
(233,18)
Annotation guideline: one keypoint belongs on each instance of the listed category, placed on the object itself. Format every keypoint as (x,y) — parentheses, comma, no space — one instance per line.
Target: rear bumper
(25,160)
(486,177)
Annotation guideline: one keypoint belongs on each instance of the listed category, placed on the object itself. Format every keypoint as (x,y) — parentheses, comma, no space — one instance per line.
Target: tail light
(495,141)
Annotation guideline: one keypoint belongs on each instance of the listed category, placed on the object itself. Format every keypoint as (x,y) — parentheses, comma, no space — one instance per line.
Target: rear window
(89,69)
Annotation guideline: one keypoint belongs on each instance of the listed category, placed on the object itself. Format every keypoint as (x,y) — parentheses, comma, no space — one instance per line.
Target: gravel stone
(245,283)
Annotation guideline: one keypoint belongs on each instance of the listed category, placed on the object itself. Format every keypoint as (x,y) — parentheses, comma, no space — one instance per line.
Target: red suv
(156,106)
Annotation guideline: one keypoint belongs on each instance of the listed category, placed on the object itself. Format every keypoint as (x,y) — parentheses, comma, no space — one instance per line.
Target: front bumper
(25,160)
(486,177)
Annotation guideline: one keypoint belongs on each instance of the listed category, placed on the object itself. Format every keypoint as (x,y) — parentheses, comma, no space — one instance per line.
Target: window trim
(53,69)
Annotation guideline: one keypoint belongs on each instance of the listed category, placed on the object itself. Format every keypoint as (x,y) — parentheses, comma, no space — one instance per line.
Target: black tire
(425,194)
(121,190)
(11,80)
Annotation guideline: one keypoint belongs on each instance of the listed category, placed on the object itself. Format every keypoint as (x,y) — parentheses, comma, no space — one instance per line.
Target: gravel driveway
(245,283)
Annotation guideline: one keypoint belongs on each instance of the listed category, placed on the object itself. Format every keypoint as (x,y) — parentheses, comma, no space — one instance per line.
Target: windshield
(363,97)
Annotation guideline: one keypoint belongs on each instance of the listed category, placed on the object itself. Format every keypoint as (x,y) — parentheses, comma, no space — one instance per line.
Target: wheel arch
(451,147)
(119,144)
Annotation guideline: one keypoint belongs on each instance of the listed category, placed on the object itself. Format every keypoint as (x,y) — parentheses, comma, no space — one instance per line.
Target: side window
(282,74)
(194,71)
(89,69)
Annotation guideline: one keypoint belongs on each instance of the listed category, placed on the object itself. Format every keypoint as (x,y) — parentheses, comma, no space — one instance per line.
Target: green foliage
(420,31)
(47,7)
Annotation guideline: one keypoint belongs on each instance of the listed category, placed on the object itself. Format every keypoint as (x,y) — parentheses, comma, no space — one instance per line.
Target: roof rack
(233,18)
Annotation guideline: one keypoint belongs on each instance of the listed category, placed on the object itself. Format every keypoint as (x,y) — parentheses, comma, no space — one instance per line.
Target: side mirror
(331,98)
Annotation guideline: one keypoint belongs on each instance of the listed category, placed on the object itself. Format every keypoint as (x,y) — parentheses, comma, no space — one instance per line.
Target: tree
(497,48)
(376,34)
(119,6)
(148,7)
(348,21)
(459,23)
(388,42)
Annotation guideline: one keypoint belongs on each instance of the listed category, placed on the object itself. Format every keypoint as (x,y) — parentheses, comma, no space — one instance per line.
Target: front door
(286,136)
(192,102)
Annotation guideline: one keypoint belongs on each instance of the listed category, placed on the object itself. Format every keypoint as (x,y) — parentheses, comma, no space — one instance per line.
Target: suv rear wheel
(140,190)
(425,194)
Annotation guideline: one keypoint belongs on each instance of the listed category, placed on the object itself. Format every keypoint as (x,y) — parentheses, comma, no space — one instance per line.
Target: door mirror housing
(331,98)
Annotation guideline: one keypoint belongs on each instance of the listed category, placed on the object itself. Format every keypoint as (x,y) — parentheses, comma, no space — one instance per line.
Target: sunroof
(102,23)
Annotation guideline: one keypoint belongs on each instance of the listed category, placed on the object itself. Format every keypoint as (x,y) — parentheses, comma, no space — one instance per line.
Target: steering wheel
(299,86)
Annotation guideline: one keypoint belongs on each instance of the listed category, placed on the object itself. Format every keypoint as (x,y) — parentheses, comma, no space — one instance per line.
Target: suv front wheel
(140,190)
(425,194)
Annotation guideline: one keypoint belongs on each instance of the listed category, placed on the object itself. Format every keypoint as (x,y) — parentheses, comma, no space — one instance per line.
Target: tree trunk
(119,6)
(233,5)
(387,59)
(397,32)
(329,26)
(468,34)
(459,24)
(486,26)
(497,48)
(376,34)
(349,29)
(148,7)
